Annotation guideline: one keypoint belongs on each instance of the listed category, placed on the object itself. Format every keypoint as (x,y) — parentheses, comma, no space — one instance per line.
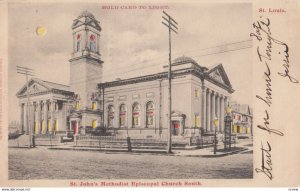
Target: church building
(136,107)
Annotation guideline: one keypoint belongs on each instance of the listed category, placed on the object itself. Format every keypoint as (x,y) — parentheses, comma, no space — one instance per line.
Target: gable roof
(195,69)
(46,87)
(220,69)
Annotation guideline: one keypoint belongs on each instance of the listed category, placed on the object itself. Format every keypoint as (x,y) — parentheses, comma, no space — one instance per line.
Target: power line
(143,67)
(224,51)
(108,74)
(217,46)
(150,63)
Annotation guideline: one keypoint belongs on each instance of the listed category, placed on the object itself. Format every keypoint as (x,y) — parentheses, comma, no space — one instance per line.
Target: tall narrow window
(94,105)
(123,115)
(111,116)
(136,116)
(197,120)
(197,93)
(94,124)
(78,42)
(150,114)
(93,43)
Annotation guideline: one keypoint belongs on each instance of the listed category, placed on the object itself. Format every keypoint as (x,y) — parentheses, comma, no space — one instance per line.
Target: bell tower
(85,63)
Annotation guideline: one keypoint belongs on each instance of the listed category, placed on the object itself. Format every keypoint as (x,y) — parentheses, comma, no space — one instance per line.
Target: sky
(133,42)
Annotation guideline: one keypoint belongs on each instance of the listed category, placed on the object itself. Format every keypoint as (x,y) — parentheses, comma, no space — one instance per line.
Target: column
(45,116)
(203,109)
(86,40)
(25,118)
(52,108)
(38,117)
(22,118)
(64,117)
(208,107)
(70,126)
(225,101)
(74,42)
(217,110)
(97,41)
(222,113)
(31,118)
(213,107)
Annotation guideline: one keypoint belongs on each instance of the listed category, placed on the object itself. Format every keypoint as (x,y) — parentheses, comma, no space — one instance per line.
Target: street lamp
(228,110)
(227,121)
(216,123)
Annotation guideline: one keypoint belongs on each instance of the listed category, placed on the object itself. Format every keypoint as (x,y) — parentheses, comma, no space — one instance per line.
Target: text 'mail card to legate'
(149,94)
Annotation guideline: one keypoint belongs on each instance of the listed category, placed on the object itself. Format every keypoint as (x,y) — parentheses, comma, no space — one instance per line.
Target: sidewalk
(203,152)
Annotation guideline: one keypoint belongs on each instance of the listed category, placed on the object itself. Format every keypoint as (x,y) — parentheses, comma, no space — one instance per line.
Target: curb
(139,152)
(218,155)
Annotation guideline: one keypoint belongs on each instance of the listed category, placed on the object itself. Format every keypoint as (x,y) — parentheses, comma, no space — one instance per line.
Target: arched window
(123,115)
(111,116)
(93,43)
(136,115)
(150,114)
(78,42)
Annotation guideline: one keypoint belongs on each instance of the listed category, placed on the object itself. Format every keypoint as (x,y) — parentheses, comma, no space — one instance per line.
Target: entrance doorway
(176,127)
(75,127)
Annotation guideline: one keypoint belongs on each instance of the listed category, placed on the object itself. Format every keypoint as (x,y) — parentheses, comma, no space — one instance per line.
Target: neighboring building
(136,106)
(140,105)
(242,118)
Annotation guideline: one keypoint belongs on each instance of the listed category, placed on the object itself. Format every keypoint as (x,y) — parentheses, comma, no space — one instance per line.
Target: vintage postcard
(150,94)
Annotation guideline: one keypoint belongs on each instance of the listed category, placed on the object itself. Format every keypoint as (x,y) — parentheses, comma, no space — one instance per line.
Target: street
(41,163)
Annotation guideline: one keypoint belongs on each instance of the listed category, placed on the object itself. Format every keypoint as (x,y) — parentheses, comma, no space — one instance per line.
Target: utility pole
(27,72)
(171,24)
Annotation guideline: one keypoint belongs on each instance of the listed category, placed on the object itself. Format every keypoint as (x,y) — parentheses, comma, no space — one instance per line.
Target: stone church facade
(135,106)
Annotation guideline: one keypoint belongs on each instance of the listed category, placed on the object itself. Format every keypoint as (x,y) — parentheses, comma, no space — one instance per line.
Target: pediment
(34,87)
(177,114)
(218,74)
(75,115)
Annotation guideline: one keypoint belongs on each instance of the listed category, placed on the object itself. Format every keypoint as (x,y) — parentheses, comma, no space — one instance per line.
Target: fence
(125,143)
(129,143)
(47,140)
